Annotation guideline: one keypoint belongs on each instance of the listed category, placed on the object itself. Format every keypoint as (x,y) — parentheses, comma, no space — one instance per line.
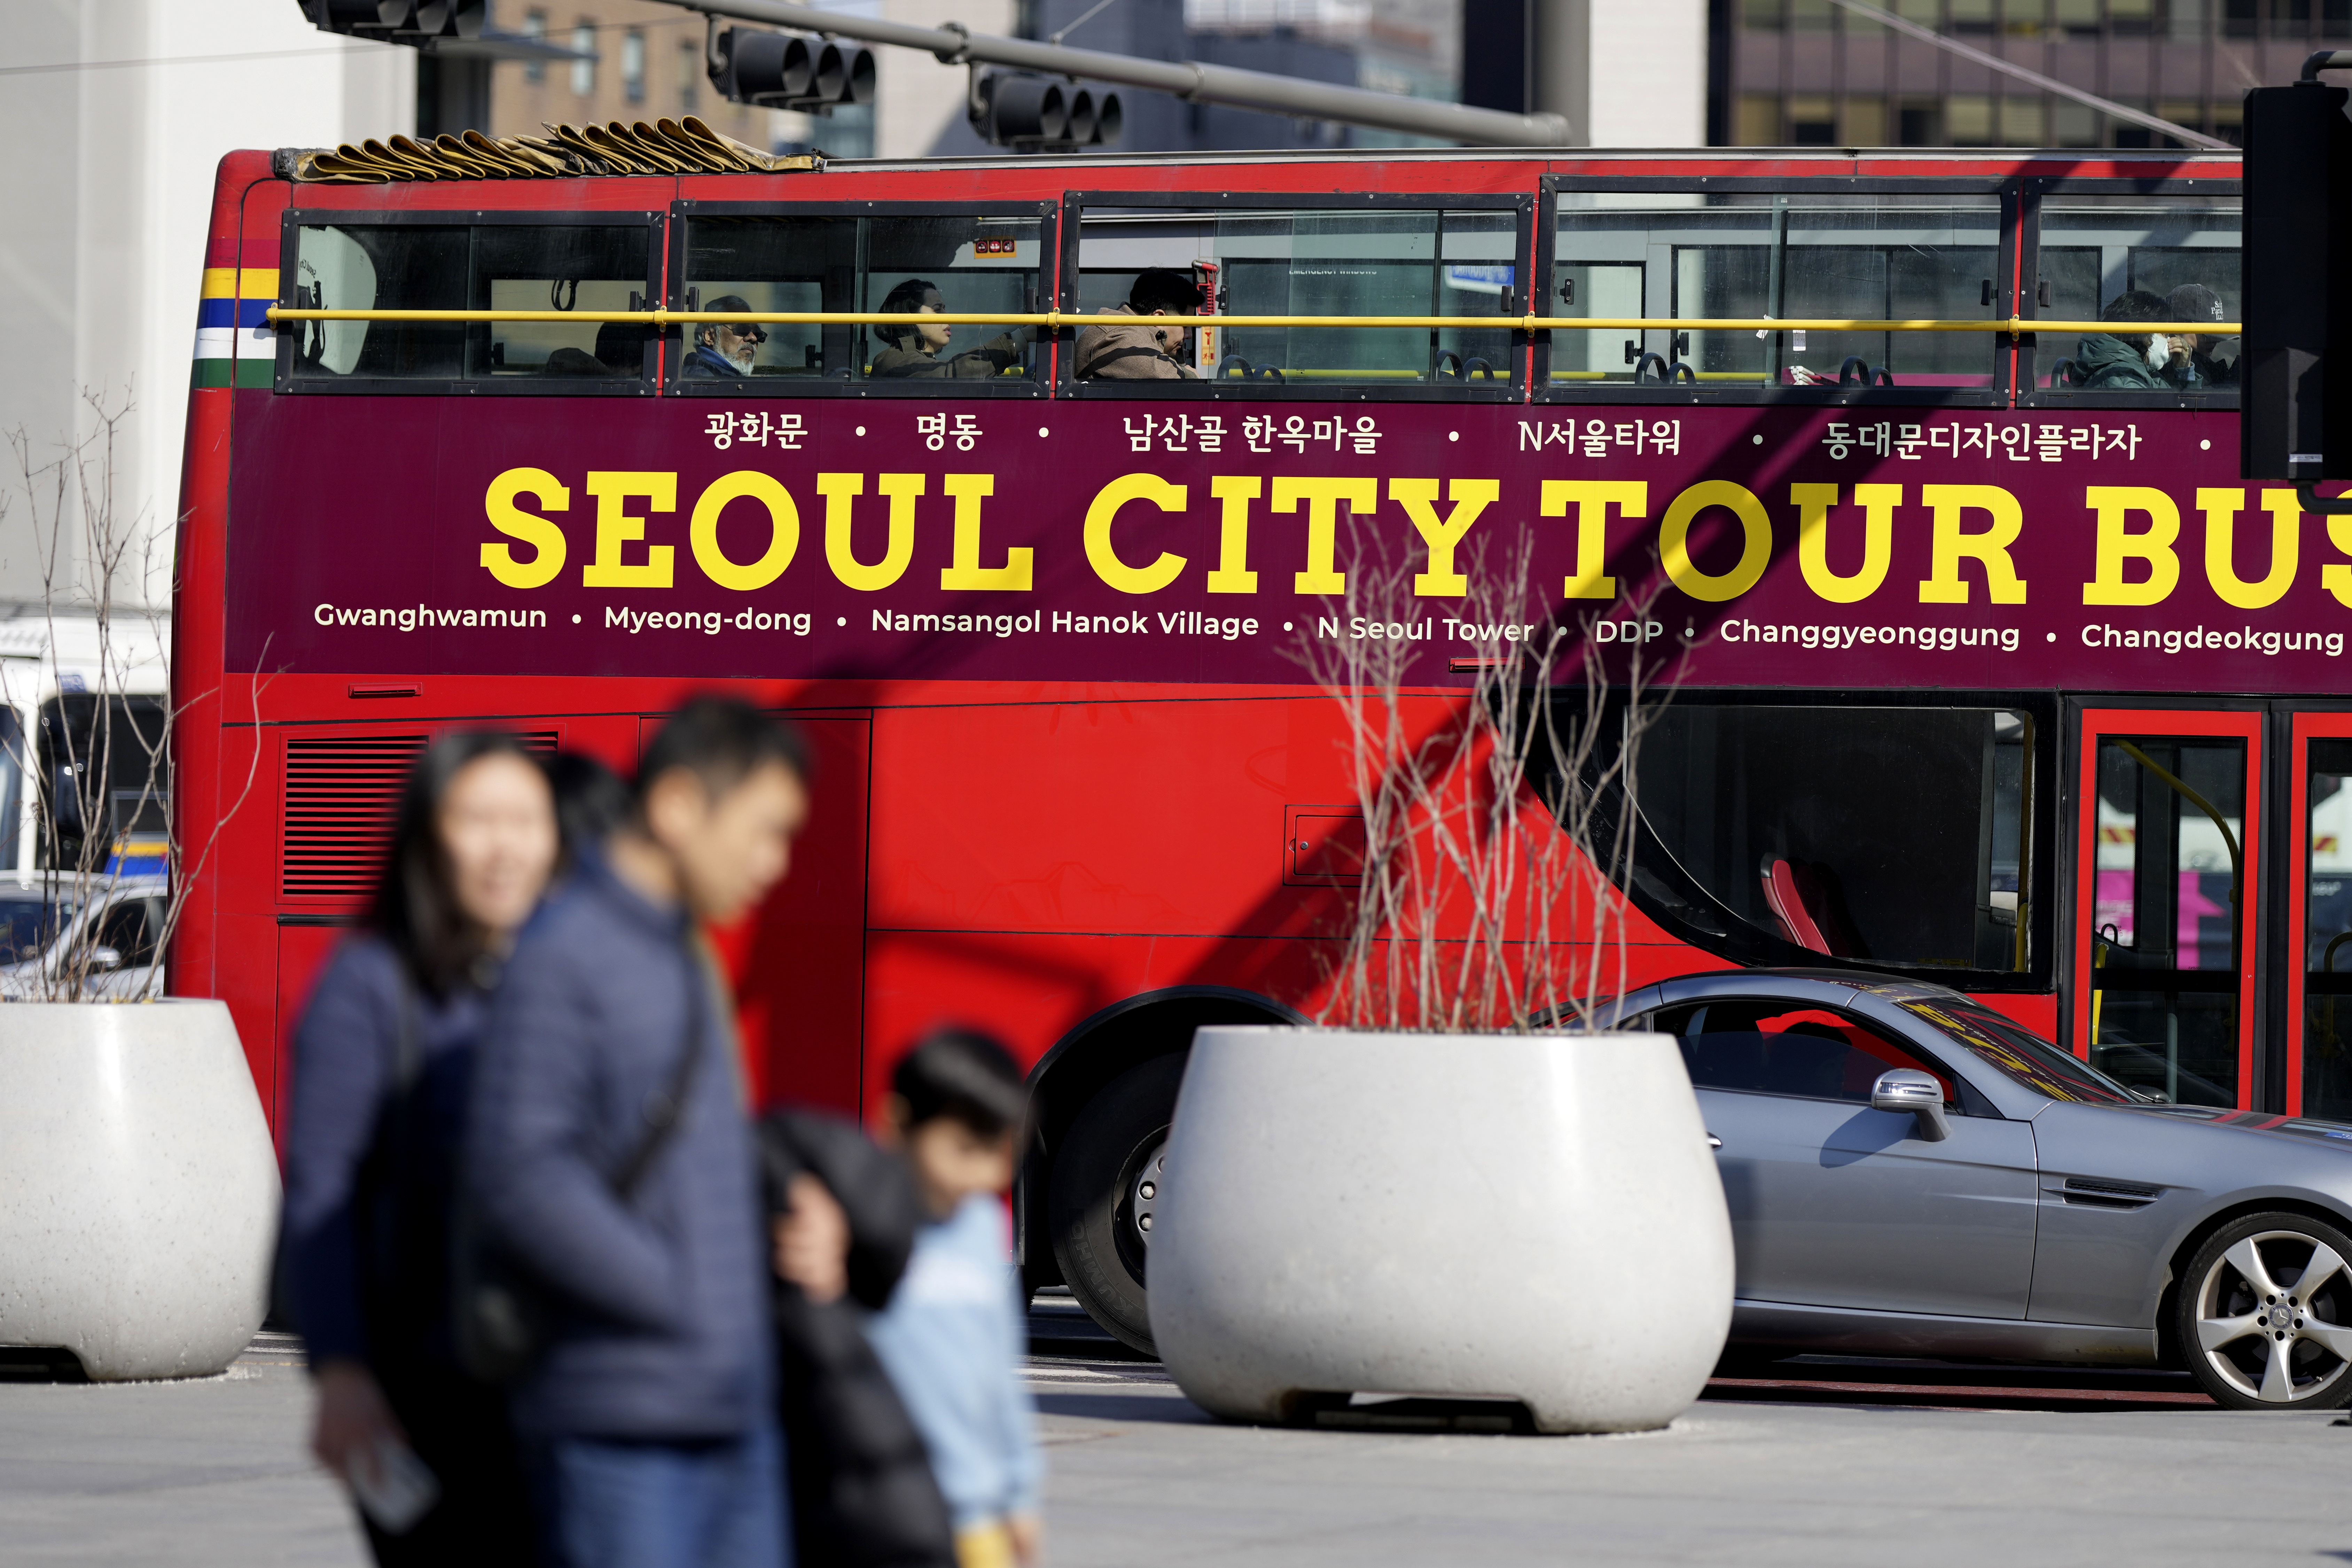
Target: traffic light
(785,70)
(398,21)
(2295,400)
(1038,114)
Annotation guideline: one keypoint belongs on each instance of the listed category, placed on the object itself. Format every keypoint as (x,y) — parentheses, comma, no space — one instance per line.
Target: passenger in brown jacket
(915,348)
(1139,349)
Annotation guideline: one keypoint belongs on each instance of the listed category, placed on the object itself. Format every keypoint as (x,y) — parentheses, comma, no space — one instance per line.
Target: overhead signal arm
(1029,105)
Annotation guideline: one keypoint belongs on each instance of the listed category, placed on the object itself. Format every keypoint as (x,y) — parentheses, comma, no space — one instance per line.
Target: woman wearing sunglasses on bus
(383,1063)
(915,348)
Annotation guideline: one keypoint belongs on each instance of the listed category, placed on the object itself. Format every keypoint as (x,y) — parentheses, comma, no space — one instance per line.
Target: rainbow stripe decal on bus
(235,346)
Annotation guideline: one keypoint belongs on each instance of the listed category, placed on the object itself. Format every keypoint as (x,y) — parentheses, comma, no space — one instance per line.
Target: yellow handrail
(2015,326)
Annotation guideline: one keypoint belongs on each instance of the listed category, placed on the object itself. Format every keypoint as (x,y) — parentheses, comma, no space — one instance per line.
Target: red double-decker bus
(1990,669)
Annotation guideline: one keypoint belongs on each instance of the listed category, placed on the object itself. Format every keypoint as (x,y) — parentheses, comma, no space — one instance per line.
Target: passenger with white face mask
(2199,362)
(2125,362)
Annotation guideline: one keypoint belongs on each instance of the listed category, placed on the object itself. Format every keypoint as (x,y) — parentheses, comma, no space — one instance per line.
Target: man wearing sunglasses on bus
(725,348)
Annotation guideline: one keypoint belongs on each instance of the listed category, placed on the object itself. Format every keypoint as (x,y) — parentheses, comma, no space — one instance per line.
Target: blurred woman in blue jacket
(383,1068)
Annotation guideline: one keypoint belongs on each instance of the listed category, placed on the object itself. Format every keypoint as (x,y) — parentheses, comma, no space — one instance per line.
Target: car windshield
(28,923)
(2025,1057)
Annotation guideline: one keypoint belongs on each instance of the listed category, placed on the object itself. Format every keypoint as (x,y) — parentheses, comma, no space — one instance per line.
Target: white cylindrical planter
(138,1186)
(1525,1216)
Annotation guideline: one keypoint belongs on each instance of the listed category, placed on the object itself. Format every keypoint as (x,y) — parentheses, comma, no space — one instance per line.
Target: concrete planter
(138,1186)
(1521,1217)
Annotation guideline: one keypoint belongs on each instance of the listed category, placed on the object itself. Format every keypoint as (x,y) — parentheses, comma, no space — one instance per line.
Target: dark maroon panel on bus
(1184,541)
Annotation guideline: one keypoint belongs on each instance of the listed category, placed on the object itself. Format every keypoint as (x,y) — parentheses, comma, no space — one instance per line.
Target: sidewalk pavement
(1829,1465)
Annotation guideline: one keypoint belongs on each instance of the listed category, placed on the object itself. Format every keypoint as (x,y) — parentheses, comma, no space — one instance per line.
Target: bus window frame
(2088,719)
(1752,947)
(2297,723)
(2030,392)
(295,219)
(1994,394)
(1048,262)
(1075,202)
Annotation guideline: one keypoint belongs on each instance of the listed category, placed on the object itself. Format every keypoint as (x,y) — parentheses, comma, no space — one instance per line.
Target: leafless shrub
(1496,833)
(114,776)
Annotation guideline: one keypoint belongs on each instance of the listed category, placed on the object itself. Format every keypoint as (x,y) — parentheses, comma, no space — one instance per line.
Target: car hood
(2196,1148)
(2257,1124)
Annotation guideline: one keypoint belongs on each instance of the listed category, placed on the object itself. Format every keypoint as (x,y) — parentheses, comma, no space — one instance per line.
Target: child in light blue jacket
(954,1333)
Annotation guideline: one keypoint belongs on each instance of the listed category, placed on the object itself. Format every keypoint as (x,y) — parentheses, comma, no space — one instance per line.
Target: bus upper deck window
(914,266)
(1894,257)
(487,267)
(560,267)
(1899,838)
(1310,262)
(2131,259)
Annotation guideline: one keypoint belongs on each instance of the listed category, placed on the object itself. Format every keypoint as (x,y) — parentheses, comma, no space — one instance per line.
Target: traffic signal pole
(1188,80)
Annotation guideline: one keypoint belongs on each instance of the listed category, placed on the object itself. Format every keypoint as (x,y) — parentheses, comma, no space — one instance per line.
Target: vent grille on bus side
(339,799)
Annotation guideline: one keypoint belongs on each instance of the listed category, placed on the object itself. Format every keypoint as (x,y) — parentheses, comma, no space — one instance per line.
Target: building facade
(1813,73)
(119,112)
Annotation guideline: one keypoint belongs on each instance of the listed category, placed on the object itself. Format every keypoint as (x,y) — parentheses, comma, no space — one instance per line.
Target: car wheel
(2264,1314)
(1107,1179)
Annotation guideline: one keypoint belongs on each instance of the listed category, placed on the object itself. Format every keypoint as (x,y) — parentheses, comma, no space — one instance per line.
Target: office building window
(690,76)
(534,27)
(583,70)
(633,66)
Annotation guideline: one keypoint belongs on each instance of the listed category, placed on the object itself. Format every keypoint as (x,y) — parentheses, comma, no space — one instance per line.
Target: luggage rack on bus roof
(664,146)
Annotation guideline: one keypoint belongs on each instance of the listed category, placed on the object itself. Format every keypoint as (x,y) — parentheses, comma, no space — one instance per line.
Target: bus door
(2318,1029)
(2168,847)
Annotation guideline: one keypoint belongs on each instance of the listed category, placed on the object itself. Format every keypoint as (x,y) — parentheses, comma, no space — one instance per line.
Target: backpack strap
(668,1109)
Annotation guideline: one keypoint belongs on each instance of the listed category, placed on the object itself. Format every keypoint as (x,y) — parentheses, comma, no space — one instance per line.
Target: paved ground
(1821,1463)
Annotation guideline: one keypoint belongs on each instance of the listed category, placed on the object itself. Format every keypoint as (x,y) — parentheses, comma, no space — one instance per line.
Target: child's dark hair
(964,1075)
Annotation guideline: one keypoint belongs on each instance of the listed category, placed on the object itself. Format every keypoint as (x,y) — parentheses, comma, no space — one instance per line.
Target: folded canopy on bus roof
(658,147)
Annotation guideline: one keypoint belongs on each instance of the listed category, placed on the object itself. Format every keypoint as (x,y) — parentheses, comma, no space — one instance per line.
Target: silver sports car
(1909,1172)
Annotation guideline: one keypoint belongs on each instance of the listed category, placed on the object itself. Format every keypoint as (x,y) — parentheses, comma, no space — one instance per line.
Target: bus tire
(1091,1205)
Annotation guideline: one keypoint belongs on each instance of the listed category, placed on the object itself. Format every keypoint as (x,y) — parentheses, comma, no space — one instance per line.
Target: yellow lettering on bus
(1103,511)
(840,491)
(617,530)
(2116,546)
(964,571)
(544,537)
(2221,508)
(1419,499)
(1812,503)
(1233,574)
(1593,498)
(2336,577)
(1323,497)
(783,529)
(1949,543)
(1756,547)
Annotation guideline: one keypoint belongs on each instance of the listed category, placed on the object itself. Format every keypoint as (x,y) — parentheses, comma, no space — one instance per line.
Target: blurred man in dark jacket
(648,1419)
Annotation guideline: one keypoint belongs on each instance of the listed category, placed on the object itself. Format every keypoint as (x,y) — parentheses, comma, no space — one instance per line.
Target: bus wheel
(1106,1180)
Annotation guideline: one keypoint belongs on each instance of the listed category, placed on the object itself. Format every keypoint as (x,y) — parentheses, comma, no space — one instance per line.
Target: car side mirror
(104,958)
(1908,1088)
